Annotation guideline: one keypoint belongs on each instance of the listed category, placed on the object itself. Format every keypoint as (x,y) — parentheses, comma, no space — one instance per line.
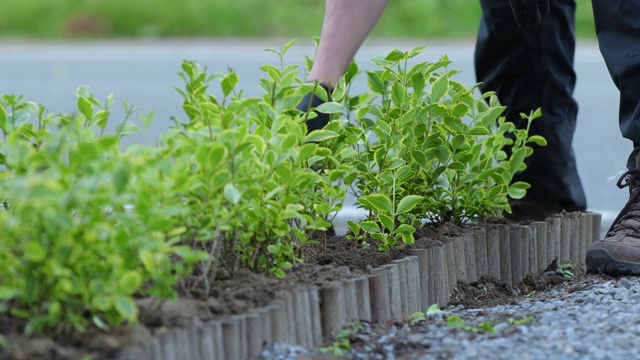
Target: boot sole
(600,261)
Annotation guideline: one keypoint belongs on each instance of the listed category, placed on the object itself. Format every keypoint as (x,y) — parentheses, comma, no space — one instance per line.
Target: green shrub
(85,225)
(426,148)
(254,197)
(88,225)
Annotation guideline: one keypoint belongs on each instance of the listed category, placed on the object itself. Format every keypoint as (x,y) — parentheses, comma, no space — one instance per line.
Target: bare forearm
(345,26)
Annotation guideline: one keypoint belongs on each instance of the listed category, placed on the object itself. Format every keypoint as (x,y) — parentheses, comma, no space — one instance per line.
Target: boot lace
(630,179)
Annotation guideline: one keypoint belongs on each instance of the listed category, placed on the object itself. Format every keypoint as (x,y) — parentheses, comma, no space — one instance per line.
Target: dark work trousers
(618,29)
(529,69)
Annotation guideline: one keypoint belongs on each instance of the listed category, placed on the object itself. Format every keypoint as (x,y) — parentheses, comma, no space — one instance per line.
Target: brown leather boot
(619,252)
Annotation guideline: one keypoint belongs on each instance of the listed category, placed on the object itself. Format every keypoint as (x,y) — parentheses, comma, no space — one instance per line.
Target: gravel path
(593,318)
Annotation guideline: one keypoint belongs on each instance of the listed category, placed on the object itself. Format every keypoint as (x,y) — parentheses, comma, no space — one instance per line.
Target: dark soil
(333,258)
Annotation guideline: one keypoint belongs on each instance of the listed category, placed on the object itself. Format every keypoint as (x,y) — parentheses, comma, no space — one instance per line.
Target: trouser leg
(618,29)
(529,69)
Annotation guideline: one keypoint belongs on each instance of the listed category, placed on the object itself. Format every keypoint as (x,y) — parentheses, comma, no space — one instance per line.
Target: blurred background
(134,49)
(104,19)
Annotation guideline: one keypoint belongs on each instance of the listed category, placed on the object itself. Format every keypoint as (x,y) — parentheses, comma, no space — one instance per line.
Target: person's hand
(529,12)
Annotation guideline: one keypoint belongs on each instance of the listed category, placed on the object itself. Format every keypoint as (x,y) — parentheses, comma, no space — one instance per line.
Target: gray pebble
(602,321)
(559,272)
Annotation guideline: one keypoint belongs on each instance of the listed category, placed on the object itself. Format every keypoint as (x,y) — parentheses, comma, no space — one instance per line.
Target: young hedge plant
(254,196)
(85,225)
(426,148)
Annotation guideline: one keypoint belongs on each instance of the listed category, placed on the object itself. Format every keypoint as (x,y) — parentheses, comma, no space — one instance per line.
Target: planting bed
(338,284)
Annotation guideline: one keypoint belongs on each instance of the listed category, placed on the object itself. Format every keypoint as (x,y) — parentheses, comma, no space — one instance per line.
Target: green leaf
(228,83)
(520,185)
(34,251)
(85,107)
(408,203)
(478,131)
(396,55)
(517,193)
(516,159)
(288,45)
(439,89)
(336,174)
(433,309)
(377,202)
(420,158)
(386,221)
(370,226)
(187,67)
(457,166)
(331,108)
(288,143)
(130,281)
(148,260)
(416,51)
(405,229)
(306,150)
(3,119)
(418,82)
(320,135)
(126,307)
(537,139)
(486,327)
(7,293)
(442,153)
(458,141)
(99,323)
(101,302)
(353,227)
(489,117)
(376,84)
(121,178)
(398,94)
(455,322)
(278,273)
(231,194)
(459,110)
(273,249)
(525,320)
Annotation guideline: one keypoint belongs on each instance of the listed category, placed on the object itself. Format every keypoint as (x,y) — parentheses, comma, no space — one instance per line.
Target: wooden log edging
(310,316)
(452,279)
(395,298)
(517,235)
(413,273)
(404,287)
(332,308)
(541,245)
(469,255)
(506,273)
(480,244)
(316,317)
(364,299)
(379,297)
(438,276)
(493,252)
(423,276)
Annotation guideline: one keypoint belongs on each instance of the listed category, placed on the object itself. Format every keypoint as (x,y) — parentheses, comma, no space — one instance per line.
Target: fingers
(528,13)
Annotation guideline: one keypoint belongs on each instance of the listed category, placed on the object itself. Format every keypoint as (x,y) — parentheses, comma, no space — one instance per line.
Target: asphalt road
(144,73)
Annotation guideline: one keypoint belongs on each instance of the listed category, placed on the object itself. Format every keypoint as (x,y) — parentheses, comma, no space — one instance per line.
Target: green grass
(56,19)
